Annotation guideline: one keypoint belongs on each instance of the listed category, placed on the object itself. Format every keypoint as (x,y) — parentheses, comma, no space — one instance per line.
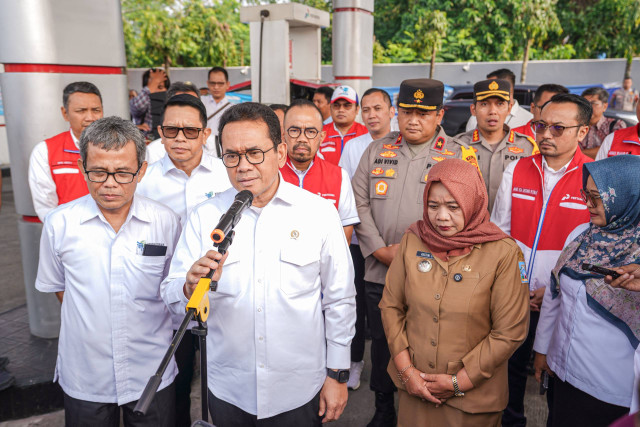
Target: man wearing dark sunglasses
(539,204)
(186,176)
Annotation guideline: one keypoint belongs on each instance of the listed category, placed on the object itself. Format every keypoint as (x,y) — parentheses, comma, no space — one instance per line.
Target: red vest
(63,161)
(625,141)
(525,130)
(546,229)
(331,147)
(322,178)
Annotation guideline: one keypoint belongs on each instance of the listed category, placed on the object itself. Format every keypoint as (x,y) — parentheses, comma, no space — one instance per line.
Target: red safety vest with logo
(526,130)
(625,141)
(333,144)
(542,230)
(63,161)
(322,178)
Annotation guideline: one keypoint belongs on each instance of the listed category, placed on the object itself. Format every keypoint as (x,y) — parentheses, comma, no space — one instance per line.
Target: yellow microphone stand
(198,309)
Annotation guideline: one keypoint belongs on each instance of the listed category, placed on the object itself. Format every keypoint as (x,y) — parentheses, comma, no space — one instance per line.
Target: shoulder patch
(439,144)
(536,150)
(522,268)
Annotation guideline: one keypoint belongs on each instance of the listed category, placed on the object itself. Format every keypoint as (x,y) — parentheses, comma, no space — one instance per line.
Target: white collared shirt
(269,342)
(167,184)
(212,106)
(352,153)
(518,116)
(43,188)
(155,151)
(115,327)
(582,347)
(347,203)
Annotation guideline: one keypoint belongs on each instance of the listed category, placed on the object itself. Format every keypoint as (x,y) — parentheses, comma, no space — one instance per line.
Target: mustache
(547,141)
(302,145)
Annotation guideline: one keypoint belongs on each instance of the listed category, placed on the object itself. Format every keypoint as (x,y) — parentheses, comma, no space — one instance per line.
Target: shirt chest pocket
(229,285)
(299,268)
(146,274)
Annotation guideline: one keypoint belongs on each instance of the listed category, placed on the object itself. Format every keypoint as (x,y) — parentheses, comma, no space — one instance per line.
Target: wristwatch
(456,389)
(341,375)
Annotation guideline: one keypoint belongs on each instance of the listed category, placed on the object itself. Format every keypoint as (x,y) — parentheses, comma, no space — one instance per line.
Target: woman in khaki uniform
(456,308)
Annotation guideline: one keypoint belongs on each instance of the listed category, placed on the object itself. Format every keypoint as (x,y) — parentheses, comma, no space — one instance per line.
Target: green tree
(535,20)
(428,32)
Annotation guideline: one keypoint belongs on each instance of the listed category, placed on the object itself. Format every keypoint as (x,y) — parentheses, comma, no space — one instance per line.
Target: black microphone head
(245,196)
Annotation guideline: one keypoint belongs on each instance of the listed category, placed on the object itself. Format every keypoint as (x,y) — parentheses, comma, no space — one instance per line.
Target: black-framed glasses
(295,132)
(119,177)
(556,130)
(255,156)
(588,197)
(188,132)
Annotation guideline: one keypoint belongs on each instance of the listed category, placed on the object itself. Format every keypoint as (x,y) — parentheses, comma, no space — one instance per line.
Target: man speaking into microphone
(274,359)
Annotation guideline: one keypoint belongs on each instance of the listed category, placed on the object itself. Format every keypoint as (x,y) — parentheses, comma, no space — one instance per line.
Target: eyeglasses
(119,177)
(255,156)
(172,132)
(556,130)
(589,198)
(295,132)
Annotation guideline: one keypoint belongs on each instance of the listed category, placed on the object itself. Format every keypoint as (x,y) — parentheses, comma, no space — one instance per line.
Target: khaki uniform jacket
(388,186)
(492,164)
(477,322)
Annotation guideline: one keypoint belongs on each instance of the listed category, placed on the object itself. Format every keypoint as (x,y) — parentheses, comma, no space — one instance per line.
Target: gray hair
(112,133)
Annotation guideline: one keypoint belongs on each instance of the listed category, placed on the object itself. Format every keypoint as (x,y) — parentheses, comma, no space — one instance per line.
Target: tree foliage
(209,32)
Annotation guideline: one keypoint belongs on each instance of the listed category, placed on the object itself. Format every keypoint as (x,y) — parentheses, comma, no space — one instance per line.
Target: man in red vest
(54,177)
(623,141)
(344,110)
(304,168)
(539,205)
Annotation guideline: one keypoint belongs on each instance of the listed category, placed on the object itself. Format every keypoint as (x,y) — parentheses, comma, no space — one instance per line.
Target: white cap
(345,92)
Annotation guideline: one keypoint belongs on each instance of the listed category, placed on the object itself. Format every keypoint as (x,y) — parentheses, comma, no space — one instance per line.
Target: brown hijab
(466,186)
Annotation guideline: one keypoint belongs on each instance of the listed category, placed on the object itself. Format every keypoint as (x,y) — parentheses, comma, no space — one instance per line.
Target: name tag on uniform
(424,254)
(154,249)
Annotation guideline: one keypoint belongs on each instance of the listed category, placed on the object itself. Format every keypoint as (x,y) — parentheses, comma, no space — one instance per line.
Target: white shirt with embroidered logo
(115,327)
(165,183)
(269,343)
(43,188)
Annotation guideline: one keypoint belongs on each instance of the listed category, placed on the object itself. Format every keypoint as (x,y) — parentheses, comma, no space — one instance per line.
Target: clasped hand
(435,388)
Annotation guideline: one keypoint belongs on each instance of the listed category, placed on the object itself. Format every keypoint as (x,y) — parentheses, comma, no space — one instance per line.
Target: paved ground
(359,409)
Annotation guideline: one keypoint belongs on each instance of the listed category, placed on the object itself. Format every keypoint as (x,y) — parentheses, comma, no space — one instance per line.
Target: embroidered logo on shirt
(388,154)
(438,159)
(377,171)
(391,147)
(140,247)
(209,194)
(522,268)
(381,188)
(295,234)
(516,150)
(390,173)
(448,153)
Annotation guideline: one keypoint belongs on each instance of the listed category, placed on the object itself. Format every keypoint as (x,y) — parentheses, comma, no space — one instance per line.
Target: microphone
(231,217)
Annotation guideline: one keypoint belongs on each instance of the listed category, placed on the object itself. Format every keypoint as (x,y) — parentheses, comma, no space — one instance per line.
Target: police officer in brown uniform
(388,187)
(494,144)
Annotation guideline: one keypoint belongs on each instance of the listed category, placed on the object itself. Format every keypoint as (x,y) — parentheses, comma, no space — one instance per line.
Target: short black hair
(326,91)
(584,107)
(147,74)
(601,93)
(186,100)
(385,95)
(182,87)
(218,70)
(82,87)
(252,112)
(549,87)
(281,107)
(503,73)
(301,102)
